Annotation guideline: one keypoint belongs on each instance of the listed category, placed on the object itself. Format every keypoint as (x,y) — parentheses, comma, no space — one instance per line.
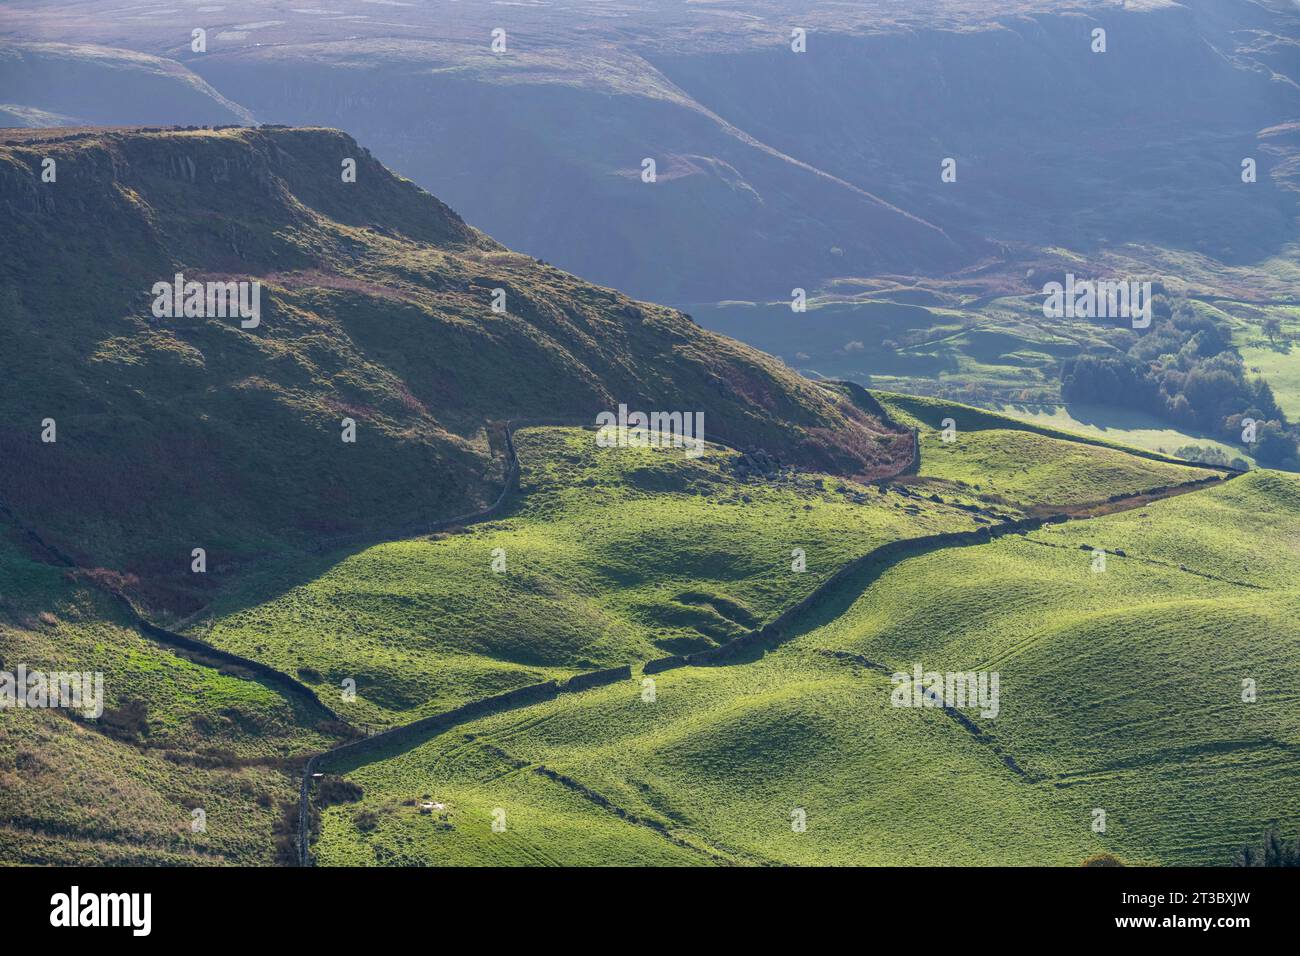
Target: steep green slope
(377,306)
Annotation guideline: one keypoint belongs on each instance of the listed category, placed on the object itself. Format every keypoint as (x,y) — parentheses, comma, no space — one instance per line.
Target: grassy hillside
(1027,465)
(924,412)
(623,555)
(1133,428)
(377,306)
(828,538)
(1120,690)
(611,556)
(718,763)
(176,734)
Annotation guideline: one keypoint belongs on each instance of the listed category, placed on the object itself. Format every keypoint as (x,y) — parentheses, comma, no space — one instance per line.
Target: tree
(1272,328)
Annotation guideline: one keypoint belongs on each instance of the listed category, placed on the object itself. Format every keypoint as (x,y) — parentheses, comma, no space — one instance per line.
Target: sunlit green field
(1023,463)
(615,556)
(1277,359)
(1121,691)
(711,771)
(607,556)
(1133,428)
(1123,688)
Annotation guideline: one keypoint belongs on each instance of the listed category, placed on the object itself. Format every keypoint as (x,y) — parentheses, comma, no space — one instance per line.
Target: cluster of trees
(1184,369)
(1210,455)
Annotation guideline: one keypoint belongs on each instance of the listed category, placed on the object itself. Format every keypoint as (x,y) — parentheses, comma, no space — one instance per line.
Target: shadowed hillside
(60,84)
